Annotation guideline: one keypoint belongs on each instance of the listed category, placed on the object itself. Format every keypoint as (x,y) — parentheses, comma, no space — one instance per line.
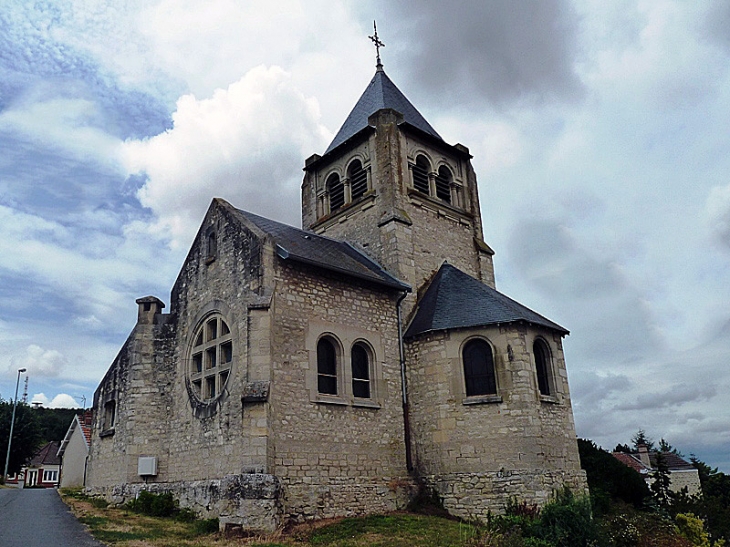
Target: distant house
(74,451)
(44,467)
(681,473)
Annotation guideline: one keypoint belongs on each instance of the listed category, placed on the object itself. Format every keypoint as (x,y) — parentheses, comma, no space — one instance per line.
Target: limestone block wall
(479,451)
(685,478)
(335,455)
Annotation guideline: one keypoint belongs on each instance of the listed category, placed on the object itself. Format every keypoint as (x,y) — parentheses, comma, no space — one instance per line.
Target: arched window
(336,191)
(326,367)
(443,184)
(360,357)
(211,359)
(358,179)
(420,174)
(479,368)
(542,366)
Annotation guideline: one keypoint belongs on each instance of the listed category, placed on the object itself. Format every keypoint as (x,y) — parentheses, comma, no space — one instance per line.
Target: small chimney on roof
(149,306)
(644,454)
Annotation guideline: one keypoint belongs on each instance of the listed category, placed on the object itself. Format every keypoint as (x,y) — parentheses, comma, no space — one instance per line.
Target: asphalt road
(38,518)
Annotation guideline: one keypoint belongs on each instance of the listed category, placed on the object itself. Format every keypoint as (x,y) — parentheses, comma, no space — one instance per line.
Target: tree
(661,481)
(26,435)
(609,479)
(640,437)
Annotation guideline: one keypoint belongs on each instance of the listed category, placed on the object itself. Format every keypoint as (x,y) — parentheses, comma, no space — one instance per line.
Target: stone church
(342,368)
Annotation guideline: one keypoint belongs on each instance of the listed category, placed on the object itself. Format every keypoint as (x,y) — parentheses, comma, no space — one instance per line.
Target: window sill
(330,400)
(482,399)
(550,399)
(365,403)
(107,432)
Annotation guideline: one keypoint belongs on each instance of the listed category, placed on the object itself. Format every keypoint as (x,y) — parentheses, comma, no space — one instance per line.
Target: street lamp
(12,424)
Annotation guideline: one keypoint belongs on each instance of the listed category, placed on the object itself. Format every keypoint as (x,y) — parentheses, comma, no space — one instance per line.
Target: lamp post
(12,424)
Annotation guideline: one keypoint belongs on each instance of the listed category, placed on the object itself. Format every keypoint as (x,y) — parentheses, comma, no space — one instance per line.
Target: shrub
(566,521)
(154,505)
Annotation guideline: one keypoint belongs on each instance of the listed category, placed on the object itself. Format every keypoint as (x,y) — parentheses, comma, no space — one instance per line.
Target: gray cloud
(468,51)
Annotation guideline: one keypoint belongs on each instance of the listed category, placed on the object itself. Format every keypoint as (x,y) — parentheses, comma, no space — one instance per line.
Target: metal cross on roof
(378,45)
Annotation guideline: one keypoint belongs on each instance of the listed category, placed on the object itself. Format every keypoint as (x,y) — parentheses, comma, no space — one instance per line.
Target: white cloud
(38,361)
(66,124)
(245,144)
(718,212)
(62,400)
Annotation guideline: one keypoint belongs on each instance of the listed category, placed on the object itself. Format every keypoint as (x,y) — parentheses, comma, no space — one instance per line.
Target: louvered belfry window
(420,174)
(358,179)
(336,191)
(443,184)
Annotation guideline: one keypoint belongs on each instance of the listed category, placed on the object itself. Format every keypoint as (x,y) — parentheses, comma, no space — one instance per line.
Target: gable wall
(73,468)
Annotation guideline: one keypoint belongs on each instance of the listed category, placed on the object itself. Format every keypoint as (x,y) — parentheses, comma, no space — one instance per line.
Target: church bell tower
(390,185)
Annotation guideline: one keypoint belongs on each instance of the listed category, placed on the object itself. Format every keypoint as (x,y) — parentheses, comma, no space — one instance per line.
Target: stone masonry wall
(479,451)
(335,455)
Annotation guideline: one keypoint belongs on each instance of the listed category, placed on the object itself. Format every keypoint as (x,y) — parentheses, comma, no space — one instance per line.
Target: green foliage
(26,435)
(566,521)
(154,505)
(640,437)
(693,529)
(204,527)
(609,479)
(661,481)
(53,423)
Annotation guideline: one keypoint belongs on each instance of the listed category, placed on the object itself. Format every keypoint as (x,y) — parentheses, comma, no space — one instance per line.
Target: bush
(154,505)
(566,521)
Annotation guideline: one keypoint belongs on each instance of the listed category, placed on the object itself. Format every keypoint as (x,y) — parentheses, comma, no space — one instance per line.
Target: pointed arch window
(443,184)
(479,368)
(336,192)
(543,367)
(358,179)
(420,174)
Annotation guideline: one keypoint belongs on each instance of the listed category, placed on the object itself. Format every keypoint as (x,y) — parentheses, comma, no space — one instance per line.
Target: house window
(326,367)
(420,174)
(336,192)
(50,476)
(479,368)
(110,410)
(360,360)
(211,359)
(443,184)
(358,179)
(542,366)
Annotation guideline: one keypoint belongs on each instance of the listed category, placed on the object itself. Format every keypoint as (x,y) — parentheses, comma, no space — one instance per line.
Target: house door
(31,478)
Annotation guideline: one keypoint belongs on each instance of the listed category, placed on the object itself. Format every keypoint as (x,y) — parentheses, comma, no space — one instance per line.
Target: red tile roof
(632,461)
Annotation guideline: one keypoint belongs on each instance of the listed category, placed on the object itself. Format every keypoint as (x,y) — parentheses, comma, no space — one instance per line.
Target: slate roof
(380,93)
(47,455)
(309,248)
(457,300)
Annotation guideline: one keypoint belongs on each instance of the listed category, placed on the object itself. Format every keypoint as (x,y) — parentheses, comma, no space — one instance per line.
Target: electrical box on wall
(147,466)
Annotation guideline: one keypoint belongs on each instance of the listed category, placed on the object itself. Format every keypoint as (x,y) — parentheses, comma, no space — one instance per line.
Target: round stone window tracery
(211,358)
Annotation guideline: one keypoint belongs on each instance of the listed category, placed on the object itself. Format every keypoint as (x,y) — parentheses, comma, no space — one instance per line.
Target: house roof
(333,255)
(632,461)
(83,423)
(380,93)
(457,300)
(674,461)
(46,455)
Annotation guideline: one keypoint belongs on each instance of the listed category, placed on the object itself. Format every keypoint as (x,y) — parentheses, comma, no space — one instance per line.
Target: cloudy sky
(600,133)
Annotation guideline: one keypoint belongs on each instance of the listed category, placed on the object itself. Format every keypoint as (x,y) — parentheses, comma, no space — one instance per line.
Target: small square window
(210,360)
(198,362)
(226,353)
(210,387)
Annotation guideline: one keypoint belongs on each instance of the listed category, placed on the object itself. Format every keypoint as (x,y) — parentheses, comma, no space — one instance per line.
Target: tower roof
(380,93)
(457,300)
